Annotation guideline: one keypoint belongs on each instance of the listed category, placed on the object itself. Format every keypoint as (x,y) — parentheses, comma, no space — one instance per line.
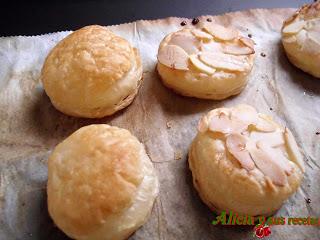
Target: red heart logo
(259,232)
(267,231)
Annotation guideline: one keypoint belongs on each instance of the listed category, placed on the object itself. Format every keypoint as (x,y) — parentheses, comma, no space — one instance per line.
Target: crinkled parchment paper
(165,122)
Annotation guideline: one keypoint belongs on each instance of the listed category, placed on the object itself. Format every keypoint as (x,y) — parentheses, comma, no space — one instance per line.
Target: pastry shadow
(49,123)
(218,231)
(176,104)
(48,230)
(308,83)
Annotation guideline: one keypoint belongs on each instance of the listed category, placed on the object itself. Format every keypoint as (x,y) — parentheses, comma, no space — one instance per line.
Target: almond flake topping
(265,125)
(264,146)
(220,32)
(270,168)
(174,56)
(200,65)
(201,34)
(294,27)
(236,145)
(225,61)
(186,41)
(209,48)
(293,149)
(236,49)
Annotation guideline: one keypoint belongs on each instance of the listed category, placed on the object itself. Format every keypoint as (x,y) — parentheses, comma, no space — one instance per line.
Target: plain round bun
(301,38)
(92,73)
(101,184)
(210,62)
(242,161)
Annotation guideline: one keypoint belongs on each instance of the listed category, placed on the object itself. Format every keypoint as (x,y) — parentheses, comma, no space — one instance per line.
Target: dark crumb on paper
(317,133)
(250,35)
(183,23)
(195,21)
(177,155)
(309,185)
(263,55)
(271,109)
(209,20)
(308,200)
(257,90)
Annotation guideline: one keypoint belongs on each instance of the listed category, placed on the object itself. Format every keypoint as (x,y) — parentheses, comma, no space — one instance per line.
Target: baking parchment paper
(165,122)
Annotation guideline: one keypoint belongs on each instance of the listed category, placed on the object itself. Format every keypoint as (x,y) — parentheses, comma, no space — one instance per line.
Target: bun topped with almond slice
(210,62)
(242,161)
(301,38)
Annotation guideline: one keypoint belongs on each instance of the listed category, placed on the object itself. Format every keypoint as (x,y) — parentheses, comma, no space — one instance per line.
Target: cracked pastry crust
(242,161)
(210,62)
(101,184)
(92,73)
(301,38)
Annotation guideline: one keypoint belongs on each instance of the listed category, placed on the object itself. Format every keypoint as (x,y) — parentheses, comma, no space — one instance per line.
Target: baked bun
(211,62)
(101,184)
(242,161)
(301,38)
(92,73)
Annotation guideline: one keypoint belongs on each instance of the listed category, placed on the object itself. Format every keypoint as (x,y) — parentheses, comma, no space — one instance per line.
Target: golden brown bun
(242,161)
(101,184)
(301,38)
(210,62)
(92,73)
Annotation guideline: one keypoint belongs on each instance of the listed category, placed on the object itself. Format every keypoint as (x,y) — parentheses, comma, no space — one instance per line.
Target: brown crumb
(263,55)
(169,124)
(250,35)
(209,20)
(177,155)
(317,133)
(308,200)
(195,21)
(271,109)
(183,23)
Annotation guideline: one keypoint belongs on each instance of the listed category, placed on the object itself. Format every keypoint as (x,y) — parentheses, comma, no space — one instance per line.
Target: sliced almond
(203,124)
(301,37)
(236,49)
(293,149)
(265,125)
(268,167)
(200,65)
(315,36)
(272,139)
(236,145)
(293,27)
(186,41)
(222,123)
(221,32)
(276,156)
(247,42)
(225,61)
(211,47)
(311,45)
(174,57)
(313,25)
(201,34)
(245,113)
